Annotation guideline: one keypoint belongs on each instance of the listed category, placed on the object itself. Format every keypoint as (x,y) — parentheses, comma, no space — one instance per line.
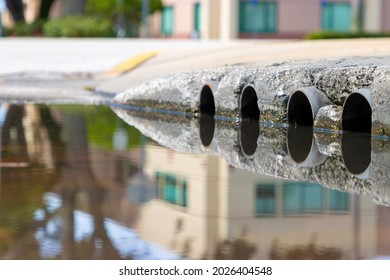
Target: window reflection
(265,199)
(288,197)
(172,188)
(338,201)
(302,197)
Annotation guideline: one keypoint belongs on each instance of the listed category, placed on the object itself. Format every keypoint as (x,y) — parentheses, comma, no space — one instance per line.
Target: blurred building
(206,209)
(231,19)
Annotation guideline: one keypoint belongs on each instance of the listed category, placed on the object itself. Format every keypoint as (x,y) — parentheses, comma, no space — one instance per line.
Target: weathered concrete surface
(272,156)
(177,133)
(329,117)
(328,144)
(265,52)
(273,84)
(177,92)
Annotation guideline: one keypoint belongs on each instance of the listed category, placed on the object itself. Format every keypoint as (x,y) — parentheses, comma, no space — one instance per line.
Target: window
(301,197)
(171,188)
(197,18)
(336,17)
(258,17)
(338,201)
(167,21)
(265,199)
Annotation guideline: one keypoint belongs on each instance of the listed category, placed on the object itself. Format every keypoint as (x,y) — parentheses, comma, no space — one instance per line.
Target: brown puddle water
(76,182)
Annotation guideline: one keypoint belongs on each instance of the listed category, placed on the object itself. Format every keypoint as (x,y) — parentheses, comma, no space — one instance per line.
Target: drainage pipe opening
(249,108)
(207,104)
(299,110)
(357,112)
(304,104)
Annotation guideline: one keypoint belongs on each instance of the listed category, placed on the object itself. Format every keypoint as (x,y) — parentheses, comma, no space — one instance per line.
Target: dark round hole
(206,129)
(248,104)
(207,105)
(356,151)
(299,111)
(249,132)
(357,114)
(299,142)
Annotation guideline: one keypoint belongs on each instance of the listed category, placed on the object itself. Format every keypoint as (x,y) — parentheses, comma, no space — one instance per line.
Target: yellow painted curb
(131,63)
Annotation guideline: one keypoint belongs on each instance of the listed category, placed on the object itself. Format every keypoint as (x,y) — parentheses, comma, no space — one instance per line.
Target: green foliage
(344,35)
(26,29)
(130,8)
(78,26)
(7,31)
(101,125)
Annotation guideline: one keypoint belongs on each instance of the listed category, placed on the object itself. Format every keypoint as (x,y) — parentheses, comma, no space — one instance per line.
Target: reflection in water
(311,251)
(356,151)
(302,146)
(249,133)
(66,192)
(13,136)
(206,129)
(237,249)
(300,140)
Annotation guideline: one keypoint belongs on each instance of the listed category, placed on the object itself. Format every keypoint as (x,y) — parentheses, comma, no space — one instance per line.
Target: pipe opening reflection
(206,129)
(249,133)
(356,152)
(299,142)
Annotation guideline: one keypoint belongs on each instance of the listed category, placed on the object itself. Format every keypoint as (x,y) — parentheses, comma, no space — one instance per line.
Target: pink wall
(385,15)
(183,16)
(295,17)
(299,16)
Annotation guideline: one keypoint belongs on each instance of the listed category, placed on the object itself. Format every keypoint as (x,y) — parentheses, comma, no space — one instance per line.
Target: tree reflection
(235,249)
(53,230)
(76,179)
(13,138)
(23,180)
(310,251)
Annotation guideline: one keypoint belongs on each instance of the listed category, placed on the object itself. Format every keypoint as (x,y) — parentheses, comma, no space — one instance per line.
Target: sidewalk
(68,67)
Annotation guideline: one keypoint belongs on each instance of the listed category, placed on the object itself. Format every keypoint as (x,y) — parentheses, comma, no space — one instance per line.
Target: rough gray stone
(177,133)
(328,144)
(329,117)
(274,84)
(176,92)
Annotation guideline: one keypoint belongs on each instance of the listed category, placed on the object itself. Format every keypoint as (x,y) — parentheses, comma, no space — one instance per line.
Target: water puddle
(91,182)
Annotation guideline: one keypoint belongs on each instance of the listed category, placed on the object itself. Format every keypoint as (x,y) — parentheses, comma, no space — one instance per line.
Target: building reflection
(65,197)
(208,206)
